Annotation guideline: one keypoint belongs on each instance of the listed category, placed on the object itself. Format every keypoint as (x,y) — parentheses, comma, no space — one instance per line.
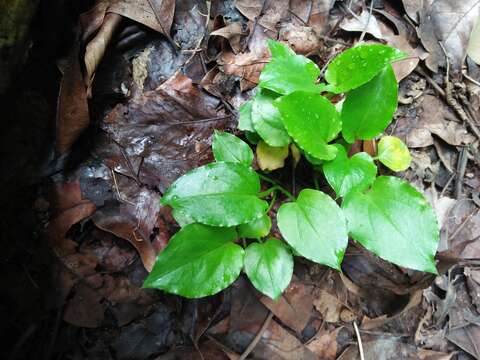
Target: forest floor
(119,98)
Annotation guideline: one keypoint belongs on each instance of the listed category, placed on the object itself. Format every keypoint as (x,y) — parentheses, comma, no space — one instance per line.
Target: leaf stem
(276,186)
(272,202)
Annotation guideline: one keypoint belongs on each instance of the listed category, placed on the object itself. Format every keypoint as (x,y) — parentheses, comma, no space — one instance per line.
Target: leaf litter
(182,72)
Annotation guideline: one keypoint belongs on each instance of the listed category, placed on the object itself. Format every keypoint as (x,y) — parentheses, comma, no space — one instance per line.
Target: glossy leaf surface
(315,227)
(356,66)
(229,148)
(393,153)
(271,157)
(198,261)
(394,221)
(267,120)
(287,72)
(255,229)
(312,121)
(218,194)
(369,109)
(269,266)
(245,117)
(345,174)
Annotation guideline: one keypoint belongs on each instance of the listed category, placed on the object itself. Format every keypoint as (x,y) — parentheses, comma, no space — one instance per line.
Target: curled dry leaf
(72,106)
(449,22)
(302,39)
(363,22)
(233,32)
(269,13)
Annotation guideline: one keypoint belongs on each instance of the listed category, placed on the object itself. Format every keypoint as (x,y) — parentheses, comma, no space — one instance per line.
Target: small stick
(257,337)
(368,22)
(359,339)
(471,79)
(461,167)
(453,102)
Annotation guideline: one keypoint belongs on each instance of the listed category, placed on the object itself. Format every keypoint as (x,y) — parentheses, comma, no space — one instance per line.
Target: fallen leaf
(301,39)
(324,345)
(270,158)
(85,309)
(364,21)
(294,307)
(404,67)
(233,32)
(72,106)
(269,14)
(473,49)
(450,22)
(329,306)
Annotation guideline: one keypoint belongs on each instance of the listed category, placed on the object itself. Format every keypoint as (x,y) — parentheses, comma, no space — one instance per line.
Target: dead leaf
(473,49)
(329,306)
(302,39)
(412,8)
(269,13)
(96,48)
(450,22)
(233,32)
(403,68)
(72,107)
(270,158)
(85,309)
(386,348)
(324,345)
(294,307)
(364,21)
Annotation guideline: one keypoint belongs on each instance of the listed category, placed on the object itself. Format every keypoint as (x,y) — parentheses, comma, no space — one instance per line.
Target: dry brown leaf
(233,32)
(403,68)
(329,306)
(325,345)
(72,107)
(294,307)
(85,309)
(359,24)
(473,49)
(451,22)
(96,48)
(302,39)
(273,11)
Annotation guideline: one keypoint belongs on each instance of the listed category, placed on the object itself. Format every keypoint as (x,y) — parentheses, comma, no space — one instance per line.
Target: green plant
(221,203)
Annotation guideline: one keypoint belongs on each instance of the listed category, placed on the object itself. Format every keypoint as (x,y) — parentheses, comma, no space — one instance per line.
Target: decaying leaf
(271,158)
(364,21)
(449,22)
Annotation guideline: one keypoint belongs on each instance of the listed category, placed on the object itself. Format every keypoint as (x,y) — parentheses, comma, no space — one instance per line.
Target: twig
(446,185)
(471,79)
(432,82)
(359,339)
(257,337)
(453,102)
(204,120)
(368,22)
(22,340)
(117,189)
(199,43)
(254,26)
(461,167)
(461,226)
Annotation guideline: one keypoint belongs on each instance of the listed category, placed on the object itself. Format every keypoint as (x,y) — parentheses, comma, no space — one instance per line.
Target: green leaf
(269,266)
(245,117)
(356,66)
(269,157)
(229,148)
(393,153)
(315,227)
(255,229)
(369,109)
(312,121)
(252,137)
(394,221)
(267,121)
(198,261)
(218,194)
(345,174)
(287,72)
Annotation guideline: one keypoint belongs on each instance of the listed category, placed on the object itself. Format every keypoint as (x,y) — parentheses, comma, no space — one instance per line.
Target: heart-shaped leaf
(245,117)
(255,229)
(393,153)
(271,157)
(369,109)
(198,261)
(395,222)
(287,72)
(269,266)
(345,174)
(218,194)
(312,121)
(356,66)
(315,227)
(229,148)
(266,119)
